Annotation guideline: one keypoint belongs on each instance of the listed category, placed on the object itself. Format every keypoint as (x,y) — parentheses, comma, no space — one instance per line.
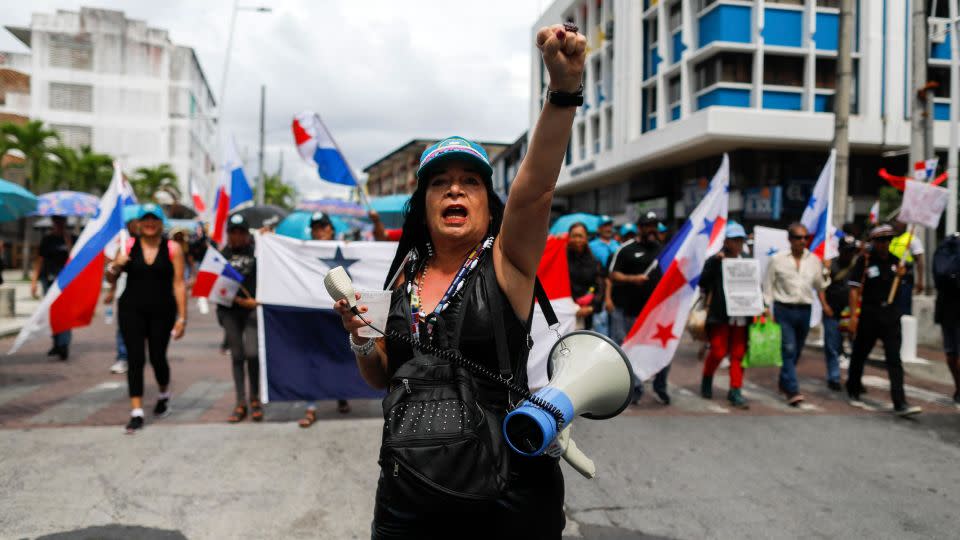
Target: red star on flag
(664,334)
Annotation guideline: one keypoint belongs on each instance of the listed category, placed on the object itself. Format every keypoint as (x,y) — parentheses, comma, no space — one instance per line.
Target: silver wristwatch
(361,350)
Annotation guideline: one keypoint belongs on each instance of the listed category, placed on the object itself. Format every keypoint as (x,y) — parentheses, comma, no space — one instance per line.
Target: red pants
(726,339)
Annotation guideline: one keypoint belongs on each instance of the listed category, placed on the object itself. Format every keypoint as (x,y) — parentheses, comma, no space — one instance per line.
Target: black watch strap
(566,99)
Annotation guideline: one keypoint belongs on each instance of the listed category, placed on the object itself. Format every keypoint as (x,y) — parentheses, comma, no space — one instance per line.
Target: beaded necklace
(417,314)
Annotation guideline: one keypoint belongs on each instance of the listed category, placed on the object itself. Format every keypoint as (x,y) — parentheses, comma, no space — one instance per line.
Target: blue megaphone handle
(529,429)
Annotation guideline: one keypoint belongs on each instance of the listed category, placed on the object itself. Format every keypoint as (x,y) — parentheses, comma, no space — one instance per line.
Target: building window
(653,31)
(941,76)
(827,73)
(676,16)
(725,67)
(71,97)
(787,2)
(650,95)
(582,139)
(73,51)
(74,136)
(608,139)
(673,90)
(828,4)
(783,70)
(704,4)
(595,133)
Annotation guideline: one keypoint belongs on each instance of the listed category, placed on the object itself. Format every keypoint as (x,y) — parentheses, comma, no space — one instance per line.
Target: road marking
(197,399)
(15,392)
(688,401)
(79,407)
(873,381)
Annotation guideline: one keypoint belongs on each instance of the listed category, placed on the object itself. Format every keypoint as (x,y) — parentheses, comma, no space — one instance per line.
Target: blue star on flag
(772,251)
(339,260)
(707,229)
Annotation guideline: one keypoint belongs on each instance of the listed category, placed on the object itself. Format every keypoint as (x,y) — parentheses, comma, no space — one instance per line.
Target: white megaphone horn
(590,376)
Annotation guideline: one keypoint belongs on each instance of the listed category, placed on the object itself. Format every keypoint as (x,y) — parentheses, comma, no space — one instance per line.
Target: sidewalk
(25,304)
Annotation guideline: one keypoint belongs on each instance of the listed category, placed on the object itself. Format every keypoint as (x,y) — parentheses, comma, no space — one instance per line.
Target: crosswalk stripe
(15,392)
(686,400)
(754,392)
(912,392)
(79,407)
(197,399)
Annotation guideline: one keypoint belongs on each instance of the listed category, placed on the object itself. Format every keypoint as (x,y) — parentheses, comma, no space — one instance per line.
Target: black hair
(578,224)
(415,236)
(797,225)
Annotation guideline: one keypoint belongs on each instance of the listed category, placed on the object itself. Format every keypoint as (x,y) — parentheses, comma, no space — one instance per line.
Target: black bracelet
(566,99)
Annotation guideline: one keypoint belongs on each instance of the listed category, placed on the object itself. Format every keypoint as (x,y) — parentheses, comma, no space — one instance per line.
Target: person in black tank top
(151,309)
(459,246)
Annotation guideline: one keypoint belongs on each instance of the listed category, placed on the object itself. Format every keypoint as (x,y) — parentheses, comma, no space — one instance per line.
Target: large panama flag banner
(304,354)
(817,216)
(653,340)
(72,299)
(315,144)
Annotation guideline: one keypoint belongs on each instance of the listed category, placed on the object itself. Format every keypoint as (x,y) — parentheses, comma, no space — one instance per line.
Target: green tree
(147,181)
(94,171)
(276,192)
(36,142)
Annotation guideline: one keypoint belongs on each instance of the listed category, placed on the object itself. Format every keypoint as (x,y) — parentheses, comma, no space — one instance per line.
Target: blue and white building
(672,84)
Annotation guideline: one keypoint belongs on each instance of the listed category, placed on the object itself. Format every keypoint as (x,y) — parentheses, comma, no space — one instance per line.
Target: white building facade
(121,87)
(670,85)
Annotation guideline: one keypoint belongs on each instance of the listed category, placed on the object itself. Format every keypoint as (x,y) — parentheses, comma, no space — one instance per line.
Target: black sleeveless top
(476,335)
(149,285)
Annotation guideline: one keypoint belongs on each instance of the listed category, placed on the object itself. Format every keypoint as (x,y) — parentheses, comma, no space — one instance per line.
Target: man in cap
(321,228)
(870,282)
(838,299)
(604,245)
(634,275)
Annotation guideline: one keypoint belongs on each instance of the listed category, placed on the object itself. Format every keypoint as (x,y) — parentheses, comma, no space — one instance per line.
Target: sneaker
(706,387)
(134,425)
(907,410)
(661,396)
(794,399)
(161,409)
(119,367)
(735,397)
(834,385)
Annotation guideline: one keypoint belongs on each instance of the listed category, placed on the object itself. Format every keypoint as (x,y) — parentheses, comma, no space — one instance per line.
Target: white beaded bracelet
(361,350)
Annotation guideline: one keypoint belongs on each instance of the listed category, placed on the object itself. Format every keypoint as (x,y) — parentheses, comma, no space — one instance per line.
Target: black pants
(881,323)
(532,509)
(150,326)
(240,328)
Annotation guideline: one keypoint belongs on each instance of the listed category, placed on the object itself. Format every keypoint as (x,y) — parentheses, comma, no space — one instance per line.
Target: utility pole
(260,182)
(841,112)
(952,156)
(918,94)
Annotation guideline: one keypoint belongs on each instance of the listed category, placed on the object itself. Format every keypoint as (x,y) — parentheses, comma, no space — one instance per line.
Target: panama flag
(652,341)
(817,216)
(233,191)
(874,217)
(315,143)
(554,275)
(926,169)
(304,353)
(72,298)
(216,279)
(198,203)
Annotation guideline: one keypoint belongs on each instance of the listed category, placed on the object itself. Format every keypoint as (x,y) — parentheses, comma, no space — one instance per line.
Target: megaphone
(589,376)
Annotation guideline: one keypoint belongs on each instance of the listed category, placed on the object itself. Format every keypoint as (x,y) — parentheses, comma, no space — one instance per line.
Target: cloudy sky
(379,72)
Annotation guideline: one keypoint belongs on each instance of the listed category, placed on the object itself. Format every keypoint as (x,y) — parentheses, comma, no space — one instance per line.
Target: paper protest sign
(378,309)
(741,287)
(923,204)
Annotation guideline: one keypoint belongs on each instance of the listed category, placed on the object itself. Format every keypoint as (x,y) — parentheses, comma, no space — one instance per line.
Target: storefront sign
(763,203)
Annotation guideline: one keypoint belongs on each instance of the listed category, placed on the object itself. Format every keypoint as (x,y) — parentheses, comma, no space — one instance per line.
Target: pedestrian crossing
(193,403)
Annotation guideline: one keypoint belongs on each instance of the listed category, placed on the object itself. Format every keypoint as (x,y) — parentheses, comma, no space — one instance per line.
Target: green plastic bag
(763,345)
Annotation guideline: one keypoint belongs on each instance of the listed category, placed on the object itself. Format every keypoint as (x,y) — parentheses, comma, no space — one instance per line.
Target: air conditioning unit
(938,31)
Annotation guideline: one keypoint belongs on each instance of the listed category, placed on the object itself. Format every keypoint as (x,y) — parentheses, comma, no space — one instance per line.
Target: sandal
(239,413)
(342,406)
(308,418)
(256,410)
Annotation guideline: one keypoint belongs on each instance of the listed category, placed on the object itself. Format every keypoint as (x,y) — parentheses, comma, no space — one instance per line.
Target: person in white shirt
(789,291)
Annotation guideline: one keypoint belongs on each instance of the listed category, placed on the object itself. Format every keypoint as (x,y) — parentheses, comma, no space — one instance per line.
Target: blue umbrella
(67,203)
(563,223)
(15,201)
(297,225)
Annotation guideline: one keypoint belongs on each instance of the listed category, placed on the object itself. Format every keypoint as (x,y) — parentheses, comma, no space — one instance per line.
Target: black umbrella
(262,215)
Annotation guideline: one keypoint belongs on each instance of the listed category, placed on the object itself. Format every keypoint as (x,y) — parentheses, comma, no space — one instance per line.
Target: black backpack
(946,264)
(442,450)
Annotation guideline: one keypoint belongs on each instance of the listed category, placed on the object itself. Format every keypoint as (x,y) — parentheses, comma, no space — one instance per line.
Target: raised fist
(564,54)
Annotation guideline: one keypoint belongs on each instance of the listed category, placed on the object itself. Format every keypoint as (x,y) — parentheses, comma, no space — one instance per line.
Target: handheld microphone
(340,287)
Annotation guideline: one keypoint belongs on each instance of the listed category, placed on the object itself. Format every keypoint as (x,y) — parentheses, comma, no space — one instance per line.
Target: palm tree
(275,191)
(148,181)
(34,141)
(94,171)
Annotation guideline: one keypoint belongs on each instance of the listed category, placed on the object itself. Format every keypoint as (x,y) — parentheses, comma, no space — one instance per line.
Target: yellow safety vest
(900,247)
